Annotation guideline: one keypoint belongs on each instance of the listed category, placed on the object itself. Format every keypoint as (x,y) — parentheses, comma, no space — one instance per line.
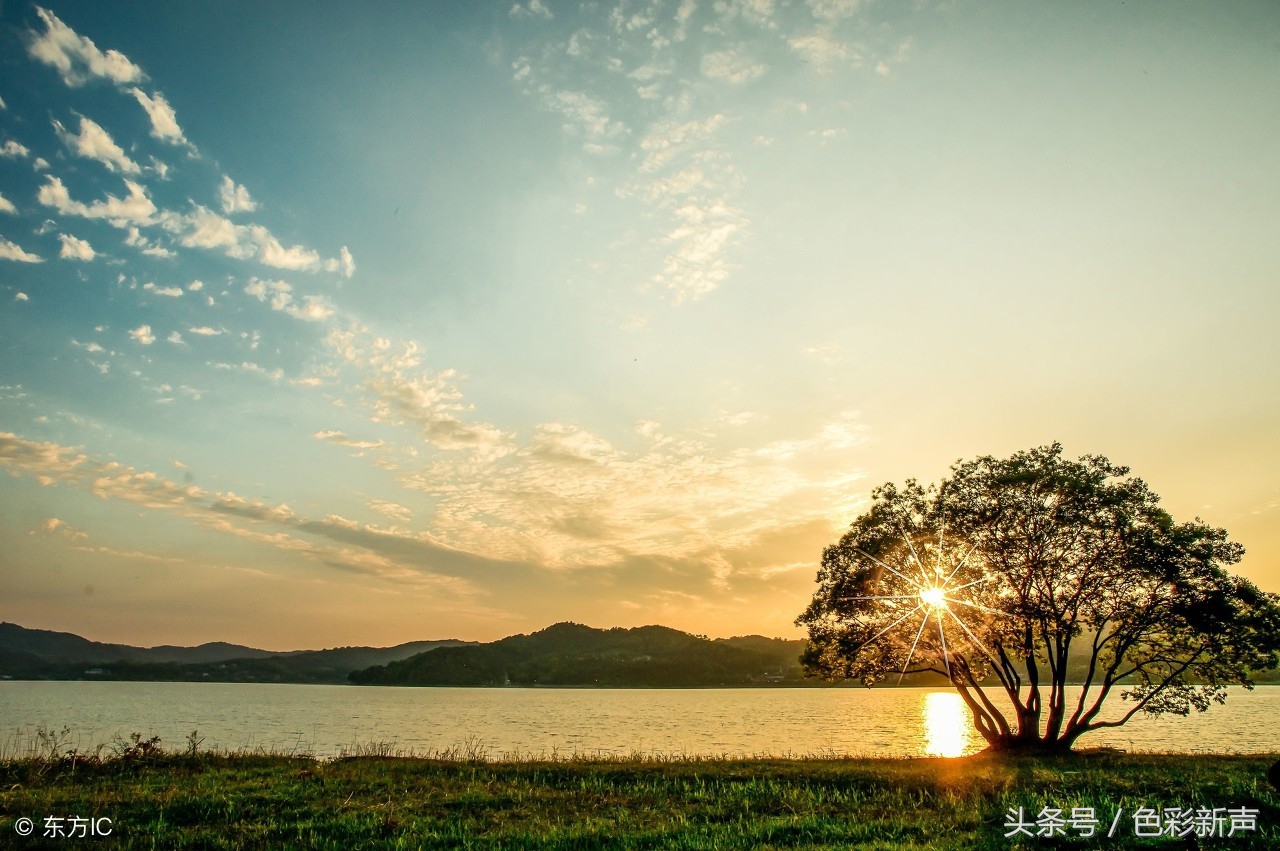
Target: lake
(515,721)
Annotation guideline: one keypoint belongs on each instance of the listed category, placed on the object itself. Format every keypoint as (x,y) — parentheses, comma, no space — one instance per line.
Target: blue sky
(323,325)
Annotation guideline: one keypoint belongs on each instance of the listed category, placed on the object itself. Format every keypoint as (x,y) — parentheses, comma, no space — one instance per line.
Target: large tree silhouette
(1012,576)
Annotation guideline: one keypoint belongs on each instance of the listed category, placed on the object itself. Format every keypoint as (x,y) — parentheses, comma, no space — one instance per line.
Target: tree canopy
(1013,576)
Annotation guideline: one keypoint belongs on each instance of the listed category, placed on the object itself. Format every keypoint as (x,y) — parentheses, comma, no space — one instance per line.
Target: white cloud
(731,66)
(758,12)
(164,123)
(341,439)
(833,11)
(248,366)
(21,297)
(136,208)
(54,526)
(272,253)
(143,335)
(588,117)
(205,331)
(146,246)
(235,198)
(827,134)
(822,50)
(203,228)
(6,206)
(689,177)
(172,292)
(532,9)
(74,248)
(14,150)
(343,263)
(385,553)
(76,58)
(40,164)
(313,309)
(683,14)
(175,338)
(10,251)
(701,238)
(569,498)
(94,143)
(280,294)
(259,289)
(400,392)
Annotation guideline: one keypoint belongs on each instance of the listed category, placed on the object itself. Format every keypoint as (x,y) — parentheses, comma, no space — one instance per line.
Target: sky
(325,324)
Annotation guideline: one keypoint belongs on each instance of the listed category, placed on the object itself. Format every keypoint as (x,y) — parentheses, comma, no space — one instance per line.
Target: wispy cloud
(655,91)
(136,208)
(135,239)
(171,292)
(568,497)
(731,66)
(76,58)
(55,526)
(392,510)
(164,122)
(399,391)
(340,438)
(684,174)
(388,554)
(94,143)
(12,251)
(532,9)
(834,11)
(281,297)
(203,228)
(823,50)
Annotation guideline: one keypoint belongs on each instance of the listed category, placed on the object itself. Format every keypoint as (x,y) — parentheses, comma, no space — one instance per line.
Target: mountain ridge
(47,654)
(570,654)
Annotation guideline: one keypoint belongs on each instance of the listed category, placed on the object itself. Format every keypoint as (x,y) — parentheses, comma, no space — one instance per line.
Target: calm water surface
(325,719)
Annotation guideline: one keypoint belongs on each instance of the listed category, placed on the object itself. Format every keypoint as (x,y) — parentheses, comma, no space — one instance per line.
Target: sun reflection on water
(947,727)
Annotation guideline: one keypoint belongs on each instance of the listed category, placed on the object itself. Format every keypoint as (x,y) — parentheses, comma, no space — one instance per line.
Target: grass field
(157,799)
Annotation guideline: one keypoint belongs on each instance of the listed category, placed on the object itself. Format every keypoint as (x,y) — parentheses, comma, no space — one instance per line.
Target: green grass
(165,800)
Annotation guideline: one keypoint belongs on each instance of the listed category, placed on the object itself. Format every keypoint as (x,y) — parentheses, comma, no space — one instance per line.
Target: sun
(934,597)
(924,587)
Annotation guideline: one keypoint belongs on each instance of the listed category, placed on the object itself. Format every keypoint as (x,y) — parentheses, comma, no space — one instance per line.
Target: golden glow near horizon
(947,727)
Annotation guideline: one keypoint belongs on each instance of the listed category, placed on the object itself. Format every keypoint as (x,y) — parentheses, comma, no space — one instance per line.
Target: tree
(1012,576)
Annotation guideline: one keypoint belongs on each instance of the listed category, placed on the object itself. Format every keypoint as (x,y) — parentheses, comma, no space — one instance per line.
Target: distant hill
(569,654)
(67,647)
(43,654)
